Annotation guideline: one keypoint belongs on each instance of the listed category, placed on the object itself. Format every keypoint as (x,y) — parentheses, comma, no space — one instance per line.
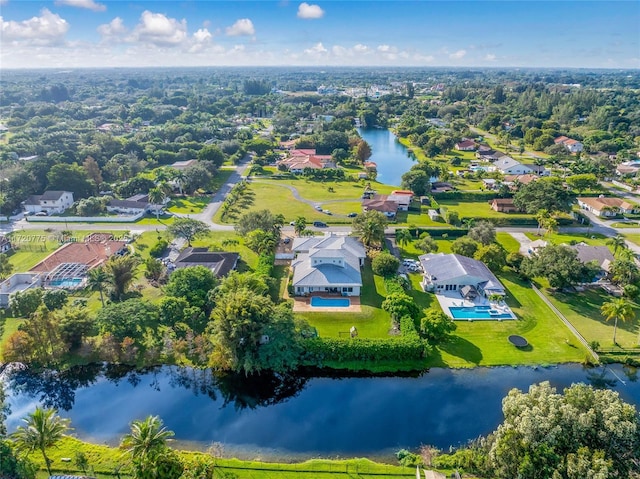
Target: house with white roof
(328,264)
(454,272)
(508,166)
(50,202)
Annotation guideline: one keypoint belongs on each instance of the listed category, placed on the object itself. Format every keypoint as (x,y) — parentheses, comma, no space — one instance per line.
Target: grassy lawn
(104,459)
(372,322)
(484,343)
(583,311)
(477,209)
(633,237)
(508,242)
(559,238)
(190,204)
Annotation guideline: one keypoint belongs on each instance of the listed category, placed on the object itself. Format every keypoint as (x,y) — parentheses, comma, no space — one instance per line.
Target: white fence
(85,219)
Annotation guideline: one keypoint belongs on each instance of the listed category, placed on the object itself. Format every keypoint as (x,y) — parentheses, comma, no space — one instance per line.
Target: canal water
(393,159)
(298,416)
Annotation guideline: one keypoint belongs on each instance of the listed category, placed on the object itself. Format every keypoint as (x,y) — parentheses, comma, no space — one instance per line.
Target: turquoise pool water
(66,282)
(318,302)
(479,312)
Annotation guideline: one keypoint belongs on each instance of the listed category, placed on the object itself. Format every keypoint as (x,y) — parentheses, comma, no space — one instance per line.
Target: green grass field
(484,343)
(105,460)
(560,238)
(583,311)
(477,209)
(188,205)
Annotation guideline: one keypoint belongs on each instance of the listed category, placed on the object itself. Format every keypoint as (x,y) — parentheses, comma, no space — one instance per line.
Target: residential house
(382,204)
(600,255)
(441,187)
(628,168)
(51,202)
(183,165)
(5,244)
(17,282)
(503,205)
(465,145)
(607,206)
(402,198)
(452,272)
(508,166)
(90,254)
(490,183)
(328,264)
(134,205)
(574,146)
(301,159)
(485,153)
(512,180)
(220,263)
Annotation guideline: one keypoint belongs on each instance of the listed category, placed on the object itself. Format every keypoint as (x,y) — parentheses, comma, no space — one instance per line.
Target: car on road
(318,207)
(319,224)
(41,213)
(326,212)
(286,240)
(352,215)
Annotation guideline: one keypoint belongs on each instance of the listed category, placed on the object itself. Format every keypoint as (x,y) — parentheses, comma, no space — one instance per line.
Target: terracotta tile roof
(91,253)
(522,179)
(599,203)
(380,203)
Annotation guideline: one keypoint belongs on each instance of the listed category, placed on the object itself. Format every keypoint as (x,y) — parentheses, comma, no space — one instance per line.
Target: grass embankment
(105,461)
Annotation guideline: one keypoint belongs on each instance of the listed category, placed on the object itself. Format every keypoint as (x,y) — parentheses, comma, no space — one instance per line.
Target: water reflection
(58,389)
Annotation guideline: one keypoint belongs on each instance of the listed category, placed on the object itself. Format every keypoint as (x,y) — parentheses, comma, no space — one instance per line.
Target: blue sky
(93,33)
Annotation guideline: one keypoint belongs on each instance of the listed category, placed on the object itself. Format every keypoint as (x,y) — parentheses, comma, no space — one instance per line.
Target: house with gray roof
(600,255)
(220,263)
(454,272)
(328,264)
(50,202)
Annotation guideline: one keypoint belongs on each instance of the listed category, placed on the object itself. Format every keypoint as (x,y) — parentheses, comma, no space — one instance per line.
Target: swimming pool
(479,312)
(318,302)
(66,282)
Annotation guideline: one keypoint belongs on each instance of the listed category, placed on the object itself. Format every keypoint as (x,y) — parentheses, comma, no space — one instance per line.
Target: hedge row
(318,351)
(265,265)
(440,232)
(465,195)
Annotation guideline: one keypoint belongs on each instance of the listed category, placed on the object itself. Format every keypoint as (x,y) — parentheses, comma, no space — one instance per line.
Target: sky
(518,33)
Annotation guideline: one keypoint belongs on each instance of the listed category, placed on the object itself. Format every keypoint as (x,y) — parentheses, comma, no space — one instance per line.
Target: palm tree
(300,225)
(121,271)
(541,218)
(146,438)
(96,280)
(403,236)
(43,428)
(617,309)
(156,197)
(180,178)
(618,243)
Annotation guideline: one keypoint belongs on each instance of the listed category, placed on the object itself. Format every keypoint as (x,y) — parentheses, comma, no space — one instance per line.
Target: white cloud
(49,28)
(317,49)
(160,30)
(112,29)
(387,49)
(490,57)
(360,48)
(88,4)
(307,11)
(244,26)
(458,55)
(202,35)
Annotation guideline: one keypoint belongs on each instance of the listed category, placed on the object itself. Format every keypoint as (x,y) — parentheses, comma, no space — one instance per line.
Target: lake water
(392,158)
(297,416)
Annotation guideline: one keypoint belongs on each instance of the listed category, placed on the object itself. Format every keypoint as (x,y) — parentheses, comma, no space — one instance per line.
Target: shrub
(319,351)
(159,248)
(394,284)
(408,459)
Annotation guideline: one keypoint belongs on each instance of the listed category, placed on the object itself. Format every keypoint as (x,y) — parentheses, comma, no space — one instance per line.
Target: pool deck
(302,304)
(454,300)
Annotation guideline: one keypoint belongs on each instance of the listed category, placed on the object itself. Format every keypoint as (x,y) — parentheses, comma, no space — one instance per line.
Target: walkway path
(566,322)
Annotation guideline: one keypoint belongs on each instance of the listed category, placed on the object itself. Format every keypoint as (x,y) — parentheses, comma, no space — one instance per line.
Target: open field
(188,205)
(560,238)
(477,209)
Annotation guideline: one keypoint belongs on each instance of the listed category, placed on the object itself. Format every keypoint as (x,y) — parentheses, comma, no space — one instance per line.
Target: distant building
(574,146)
(50,202)
(607,206)
(465,145)
(503,205)
(600,255)
(382,204)
(183,165)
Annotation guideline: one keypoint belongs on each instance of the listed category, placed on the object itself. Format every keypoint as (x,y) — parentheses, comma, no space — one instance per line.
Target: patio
(302,304)
(452,299)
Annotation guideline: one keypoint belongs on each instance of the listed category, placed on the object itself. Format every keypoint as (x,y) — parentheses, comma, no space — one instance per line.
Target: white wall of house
(344,290)
(517,170)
